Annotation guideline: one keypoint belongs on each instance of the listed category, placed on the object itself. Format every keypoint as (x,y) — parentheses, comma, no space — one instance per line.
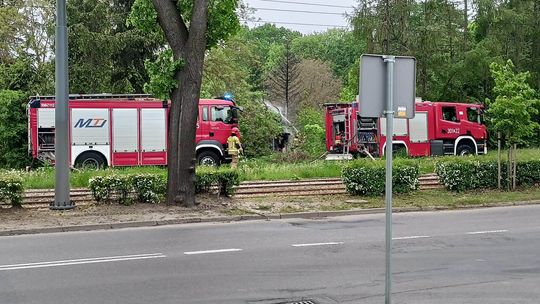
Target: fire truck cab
(438,128)
(126,130)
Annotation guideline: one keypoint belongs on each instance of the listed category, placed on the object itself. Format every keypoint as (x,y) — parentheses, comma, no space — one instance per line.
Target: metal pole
(61,147)
(499,178)
(389,60)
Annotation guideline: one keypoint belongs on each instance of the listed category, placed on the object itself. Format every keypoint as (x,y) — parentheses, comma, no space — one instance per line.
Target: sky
(320,14)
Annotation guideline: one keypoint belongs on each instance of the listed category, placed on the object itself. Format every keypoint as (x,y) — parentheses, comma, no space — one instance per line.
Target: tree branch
(173,26)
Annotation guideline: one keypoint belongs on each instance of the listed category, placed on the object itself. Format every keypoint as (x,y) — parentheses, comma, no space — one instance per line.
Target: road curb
(253,217)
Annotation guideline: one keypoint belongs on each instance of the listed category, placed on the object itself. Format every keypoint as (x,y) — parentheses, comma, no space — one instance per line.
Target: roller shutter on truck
(125,131)
(153,136)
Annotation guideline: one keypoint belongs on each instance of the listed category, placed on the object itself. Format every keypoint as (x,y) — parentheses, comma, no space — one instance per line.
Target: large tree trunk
(188,46)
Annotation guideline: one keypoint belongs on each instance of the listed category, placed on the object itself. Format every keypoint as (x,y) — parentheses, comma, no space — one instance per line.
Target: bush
(112,188)
(528,173)
(11,189)
(151,188)
(366,177)
(227,179)
(224,179)
(461,175)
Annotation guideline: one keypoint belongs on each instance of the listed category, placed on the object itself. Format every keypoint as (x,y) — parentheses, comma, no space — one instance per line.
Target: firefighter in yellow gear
(234,147)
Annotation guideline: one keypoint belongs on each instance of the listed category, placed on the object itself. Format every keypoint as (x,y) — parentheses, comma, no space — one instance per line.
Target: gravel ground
(209,206)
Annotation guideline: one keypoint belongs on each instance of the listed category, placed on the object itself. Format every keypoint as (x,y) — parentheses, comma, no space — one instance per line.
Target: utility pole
(389,60)
(62,200)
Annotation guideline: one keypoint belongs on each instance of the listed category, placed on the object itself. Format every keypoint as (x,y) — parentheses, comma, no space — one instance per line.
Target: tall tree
(263,40)
(512,110)
(317,84)
(190,27)
(339,47)
(283,80)
(107,55)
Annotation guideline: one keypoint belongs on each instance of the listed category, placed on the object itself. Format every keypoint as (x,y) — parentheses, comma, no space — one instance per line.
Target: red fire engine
(126,130)
(438,128)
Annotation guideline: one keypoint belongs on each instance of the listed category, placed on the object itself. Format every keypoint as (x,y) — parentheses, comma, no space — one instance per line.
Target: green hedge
(528,173)
(11,189)
(152,188)
(463,174)
(366,177)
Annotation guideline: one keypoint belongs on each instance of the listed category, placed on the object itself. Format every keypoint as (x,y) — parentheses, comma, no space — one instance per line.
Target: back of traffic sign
(373,86)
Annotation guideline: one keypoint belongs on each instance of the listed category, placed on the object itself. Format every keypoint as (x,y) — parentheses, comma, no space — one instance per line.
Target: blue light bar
(228,96)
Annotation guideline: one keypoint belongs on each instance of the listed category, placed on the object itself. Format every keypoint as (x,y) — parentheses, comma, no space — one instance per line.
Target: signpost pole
(61,146)
(389,60)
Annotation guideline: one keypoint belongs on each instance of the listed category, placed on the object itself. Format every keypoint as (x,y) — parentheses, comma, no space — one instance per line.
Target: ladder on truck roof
(98,96)
(347,131)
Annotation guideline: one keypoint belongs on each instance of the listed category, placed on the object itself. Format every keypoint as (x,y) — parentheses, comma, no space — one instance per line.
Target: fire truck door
(220,123)
(449,122)
(202,124)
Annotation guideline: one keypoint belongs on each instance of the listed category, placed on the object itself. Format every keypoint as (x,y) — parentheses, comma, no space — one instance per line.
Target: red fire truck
(438,128)
(126,130)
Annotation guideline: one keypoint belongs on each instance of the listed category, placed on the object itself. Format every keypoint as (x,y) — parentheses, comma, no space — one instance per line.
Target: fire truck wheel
(208,158)
(90,160)
(463,150)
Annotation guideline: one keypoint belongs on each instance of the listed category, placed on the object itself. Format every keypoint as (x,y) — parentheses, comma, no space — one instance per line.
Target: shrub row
(11,189)
(366,177)
(463,174)
(151,188)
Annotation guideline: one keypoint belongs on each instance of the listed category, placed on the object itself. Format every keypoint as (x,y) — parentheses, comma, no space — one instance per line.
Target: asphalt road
(474,256)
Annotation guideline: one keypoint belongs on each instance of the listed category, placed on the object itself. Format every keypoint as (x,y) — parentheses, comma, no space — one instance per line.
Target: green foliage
(465,174)
(13,130)
(224,179)
(340,47)
(161,73)
(105,55)
(528,173)
(312,140)
(227,69)
(366,177)
(151,188)
(11,189)
(258,127)
(227,179)
(144,16)
(312,132)
(512,110)
(350,89)
(112,188)
(310,116)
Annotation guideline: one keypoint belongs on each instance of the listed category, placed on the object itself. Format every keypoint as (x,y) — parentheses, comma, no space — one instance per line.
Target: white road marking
(486,232)
(212,251)
(82,261)
(317,244)
(411,237)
